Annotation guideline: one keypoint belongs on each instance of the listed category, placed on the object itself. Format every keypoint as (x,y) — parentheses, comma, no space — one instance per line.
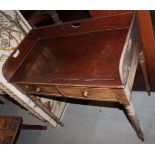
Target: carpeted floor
(92,124)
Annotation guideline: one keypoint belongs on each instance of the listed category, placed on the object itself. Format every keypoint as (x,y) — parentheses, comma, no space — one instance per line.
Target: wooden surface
(78,64)
(104,13)
(87,59)
(75,60)
(147,36)
(9,126)
(146,33)
(87,26)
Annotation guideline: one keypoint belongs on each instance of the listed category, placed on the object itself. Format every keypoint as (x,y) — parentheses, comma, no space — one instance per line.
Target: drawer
(71,92)
(40,89)
(88,93)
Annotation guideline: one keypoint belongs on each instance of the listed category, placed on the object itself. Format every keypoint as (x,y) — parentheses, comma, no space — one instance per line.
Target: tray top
(91,59)
(82,58)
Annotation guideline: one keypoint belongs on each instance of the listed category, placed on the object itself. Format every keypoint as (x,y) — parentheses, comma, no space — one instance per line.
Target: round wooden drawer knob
(85,94)
(26,86)
(38,90)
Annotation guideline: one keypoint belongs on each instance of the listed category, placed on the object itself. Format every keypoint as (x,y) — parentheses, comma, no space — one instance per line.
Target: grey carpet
(91,124)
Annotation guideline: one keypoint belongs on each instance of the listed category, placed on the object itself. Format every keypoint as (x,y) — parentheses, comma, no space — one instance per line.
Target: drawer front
(71,92)
(88,93)
(40,89)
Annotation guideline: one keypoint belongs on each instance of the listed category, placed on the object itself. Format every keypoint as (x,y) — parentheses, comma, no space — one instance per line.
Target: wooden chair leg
(32,127)
(129,108)
(144,71)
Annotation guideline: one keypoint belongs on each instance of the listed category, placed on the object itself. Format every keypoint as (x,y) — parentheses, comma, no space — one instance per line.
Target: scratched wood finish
(9,126)
(39,88)
(70,29)
(147,37)
(82,60)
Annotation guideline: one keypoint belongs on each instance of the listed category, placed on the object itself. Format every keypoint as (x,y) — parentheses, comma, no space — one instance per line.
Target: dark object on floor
(11,125)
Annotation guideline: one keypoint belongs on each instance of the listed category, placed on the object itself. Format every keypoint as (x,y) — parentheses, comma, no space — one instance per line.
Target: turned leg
(124,100)
(144,71)
(133,119)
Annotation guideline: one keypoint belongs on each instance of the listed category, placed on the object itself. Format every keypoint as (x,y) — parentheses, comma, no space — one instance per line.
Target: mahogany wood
(92,59)
(10,126)
(147,36)
(103,13)
(144,71)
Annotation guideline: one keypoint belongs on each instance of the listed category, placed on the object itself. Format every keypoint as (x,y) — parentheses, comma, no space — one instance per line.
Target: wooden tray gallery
(82,54)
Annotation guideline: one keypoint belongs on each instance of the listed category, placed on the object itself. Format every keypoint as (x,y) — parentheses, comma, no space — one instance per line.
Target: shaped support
(144,71)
